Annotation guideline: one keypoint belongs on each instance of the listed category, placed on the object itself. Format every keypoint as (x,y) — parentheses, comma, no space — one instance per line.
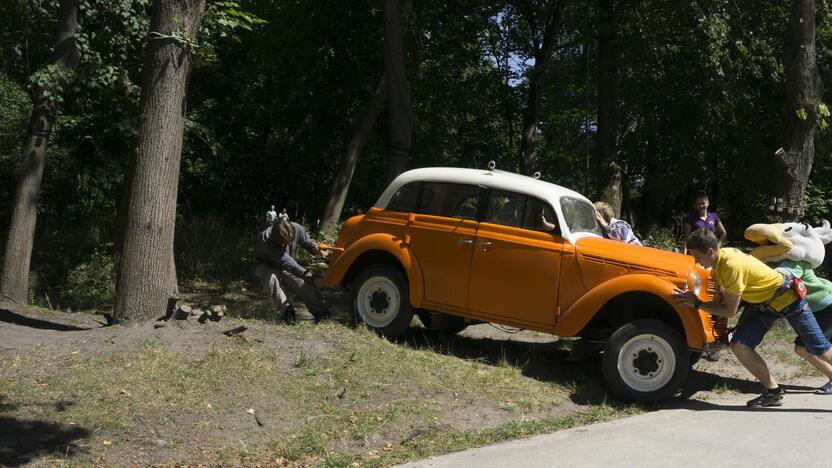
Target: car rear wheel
(380,298)
(645,360)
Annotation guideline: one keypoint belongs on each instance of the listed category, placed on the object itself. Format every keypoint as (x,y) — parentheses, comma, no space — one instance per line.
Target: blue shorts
(824,318)
(757,319)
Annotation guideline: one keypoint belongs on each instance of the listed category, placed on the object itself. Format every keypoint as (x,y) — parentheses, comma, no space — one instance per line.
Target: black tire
(695,356)
(442,322)
(381,300)
(656,364)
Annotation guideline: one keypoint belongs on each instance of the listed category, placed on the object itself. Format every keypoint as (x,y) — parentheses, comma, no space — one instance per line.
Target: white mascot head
(798,242)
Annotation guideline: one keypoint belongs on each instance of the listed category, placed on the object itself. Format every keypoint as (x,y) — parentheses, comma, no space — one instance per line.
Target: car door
(442,233)
(515,265)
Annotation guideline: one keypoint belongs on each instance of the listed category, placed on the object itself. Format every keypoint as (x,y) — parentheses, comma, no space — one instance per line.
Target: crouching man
(279,273)
(772,294)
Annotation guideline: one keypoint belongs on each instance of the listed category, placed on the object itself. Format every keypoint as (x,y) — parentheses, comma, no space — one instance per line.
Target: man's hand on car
(683,297)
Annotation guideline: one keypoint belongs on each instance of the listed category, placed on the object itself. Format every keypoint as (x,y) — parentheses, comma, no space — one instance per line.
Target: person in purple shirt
(701,218)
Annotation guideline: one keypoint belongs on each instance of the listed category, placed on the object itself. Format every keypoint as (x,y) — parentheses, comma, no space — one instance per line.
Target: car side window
(539,216)
(451,200)
(505,208)
(405,199)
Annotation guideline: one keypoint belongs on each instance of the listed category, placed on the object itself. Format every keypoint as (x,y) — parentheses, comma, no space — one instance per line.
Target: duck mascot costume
(798,249)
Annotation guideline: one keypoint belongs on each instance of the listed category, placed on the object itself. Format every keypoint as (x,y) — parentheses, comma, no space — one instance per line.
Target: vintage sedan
(460,246)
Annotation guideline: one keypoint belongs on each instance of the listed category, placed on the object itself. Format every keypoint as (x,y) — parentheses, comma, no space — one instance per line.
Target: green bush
(91,284)
(662,238)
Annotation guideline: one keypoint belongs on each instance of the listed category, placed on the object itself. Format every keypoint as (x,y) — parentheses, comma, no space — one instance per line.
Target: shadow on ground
(547,361)
(22,441)
(18,319)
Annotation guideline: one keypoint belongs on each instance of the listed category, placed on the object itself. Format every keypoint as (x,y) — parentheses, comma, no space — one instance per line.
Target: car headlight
(695,282)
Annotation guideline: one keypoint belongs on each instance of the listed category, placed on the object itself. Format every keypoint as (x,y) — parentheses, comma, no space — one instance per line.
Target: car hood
(637,259)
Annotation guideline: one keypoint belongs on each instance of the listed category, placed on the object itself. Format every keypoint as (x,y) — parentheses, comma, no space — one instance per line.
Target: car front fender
(582,311)
(393,245)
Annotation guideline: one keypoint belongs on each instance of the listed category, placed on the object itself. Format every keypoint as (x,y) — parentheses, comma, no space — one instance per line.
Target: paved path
(714,433)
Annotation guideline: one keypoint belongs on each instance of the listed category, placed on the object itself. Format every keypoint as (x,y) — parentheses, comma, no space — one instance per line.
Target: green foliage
(662,238)
(224,20)
(52,80)
(206,249)
(280,86)
(91,284)
(14,109)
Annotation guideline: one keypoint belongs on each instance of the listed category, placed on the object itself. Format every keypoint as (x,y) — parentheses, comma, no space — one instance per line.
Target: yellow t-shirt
(745,276)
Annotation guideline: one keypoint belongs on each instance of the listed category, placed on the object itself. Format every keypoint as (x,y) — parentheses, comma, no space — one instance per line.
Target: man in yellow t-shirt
(743,277)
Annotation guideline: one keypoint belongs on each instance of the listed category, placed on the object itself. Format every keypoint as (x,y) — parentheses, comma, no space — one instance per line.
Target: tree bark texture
(341,184)
(147,276)
(804,91)
(400,116)
(607,167)
(14,283)
(543,43)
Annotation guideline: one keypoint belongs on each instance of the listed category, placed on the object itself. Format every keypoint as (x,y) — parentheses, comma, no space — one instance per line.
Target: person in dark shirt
(701,218)
(280,272)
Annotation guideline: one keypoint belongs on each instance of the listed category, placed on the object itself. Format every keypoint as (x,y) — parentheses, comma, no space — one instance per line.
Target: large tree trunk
(527,137)
(543,43)
(399,113)
(804,90)
(607,167)
(341,184)
(147,275)
(15,280)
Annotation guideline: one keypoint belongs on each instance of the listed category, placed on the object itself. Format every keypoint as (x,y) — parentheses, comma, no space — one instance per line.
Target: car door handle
(484,243)
(466,241)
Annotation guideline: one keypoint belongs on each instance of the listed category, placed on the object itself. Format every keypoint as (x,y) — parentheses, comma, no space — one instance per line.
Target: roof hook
(536,175)
(492,165)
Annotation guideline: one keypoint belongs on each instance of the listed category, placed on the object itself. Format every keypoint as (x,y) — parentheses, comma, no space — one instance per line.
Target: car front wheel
(645,360)
(380,297)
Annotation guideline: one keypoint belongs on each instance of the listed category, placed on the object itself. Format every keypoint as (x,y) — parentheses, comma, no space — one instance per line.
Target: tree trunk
(14,283)
(804,90)
(147,276)
(399,113)
(543,46)
(341,184)
(527,137)
(607,167)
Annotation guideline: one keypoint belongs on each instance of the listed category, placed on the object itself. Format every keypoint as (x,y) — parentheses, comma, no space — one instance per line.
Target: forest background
(697,92)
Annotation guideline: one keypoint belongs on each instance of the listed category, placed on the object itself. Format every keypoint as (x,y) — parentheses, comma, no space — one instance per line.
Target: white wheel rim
(646,362)
(378,301)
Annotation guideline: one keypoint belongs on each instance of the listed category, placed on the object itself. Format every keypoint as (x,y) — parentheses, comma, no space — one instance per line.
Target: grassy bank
(305,395)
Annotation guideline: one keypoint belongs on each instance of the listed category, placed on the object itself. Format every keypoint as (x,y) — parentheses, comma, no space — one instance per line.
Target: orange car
(461,246)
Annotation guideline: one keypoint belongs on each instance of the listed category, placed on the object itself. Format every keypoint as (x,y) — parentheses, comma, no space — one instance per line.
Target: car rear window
(451,200)
(406,199)
(579,215)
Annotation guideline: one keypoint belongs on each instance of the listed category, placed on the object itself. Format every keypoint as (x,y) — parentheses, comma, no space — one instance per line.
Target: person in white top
(271,216)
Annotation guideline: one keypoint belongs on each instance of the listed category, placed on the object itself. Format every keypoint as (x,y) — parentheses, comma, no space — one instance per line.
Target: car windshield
(579,215)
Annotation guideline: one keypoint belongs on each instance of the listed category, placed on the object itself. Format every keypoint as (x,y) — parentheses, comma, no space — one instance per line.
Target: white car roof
(492,179)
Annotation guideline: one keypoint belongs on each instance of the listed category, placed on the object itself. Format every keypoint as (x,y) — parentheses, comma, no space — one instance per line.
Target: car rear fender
(369,247)
(571,322)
